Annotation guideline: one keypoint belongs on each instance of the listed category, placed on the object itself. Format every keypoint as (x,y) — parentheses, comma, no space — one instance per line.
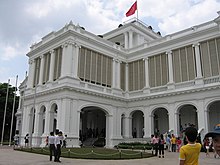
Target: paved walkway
(10,157)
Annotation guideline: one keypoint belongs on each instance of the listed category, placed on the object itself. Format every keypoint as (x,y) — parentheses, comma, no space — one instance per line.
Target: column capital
(41,56)
(195,44)
(146,59)
(31,61)
(52,51)
(169,52)
(117,60)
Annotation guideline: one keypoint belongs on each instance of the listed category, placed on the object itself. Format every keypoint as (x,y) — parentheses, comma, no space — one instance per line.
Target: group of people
(189,153)
(55,142)
(158,144)
(190,148)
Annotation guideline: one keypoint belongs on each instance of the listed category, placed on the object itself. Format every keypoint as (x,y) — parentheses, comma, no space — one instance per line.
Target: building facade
(122,86)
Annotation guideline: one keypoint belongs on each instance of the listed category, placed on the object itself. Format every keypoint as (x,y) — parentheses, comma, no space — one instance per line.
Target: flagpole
(13,110)
(6,101)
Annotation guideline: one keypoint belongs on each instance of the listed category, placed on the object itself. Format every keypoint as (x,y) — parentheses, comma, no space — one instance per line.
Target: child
(179,143)
(189,154)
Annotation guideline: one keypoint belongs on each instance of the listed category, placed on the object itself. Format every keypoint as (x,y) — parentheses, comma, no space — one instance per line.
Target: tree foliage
(3,94)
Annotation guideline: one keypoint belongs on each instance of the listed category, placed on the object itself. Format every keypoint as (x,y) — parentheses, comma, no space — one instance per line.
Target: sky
(25,22)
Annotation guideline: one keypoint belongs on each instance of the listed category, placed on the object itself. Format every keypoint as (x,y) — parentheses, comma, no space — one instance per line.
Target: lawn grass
(92,153)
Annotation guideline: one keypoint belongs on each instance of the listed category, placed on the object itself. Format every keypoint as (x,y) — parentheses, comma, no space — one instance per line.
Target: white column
(198,64)
(52,63)
(116,124)
(36,121)
(172,120)
(75,60)
(170,70)
(128,127)
(118,74)
(130,39)
(147,86)
(41,77)
(47,120)
(74,119)
(126,40)
(66,106)
(24,123)
(202,120)
(113,73)
(147,123)
(31,74)
(126,77)
(109,131)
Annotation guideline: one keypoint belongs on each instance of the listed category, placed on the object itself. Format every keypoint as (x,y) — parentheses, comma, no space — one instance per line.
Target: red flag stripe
(132,10)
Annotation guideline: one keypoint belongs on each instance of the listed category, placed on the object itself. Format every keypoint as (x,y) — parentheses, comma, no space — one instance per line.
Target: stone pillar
(113,73)
(126,40)
(52,63)
(47,130)
(24,123)
(147,86)
(74,123)
(41,76)
(130,39)
(31,74)
(67,60)
(199,80)
(118,74)
(76,60)
(202,120)
(66,106)
(170,70)
(109,131)
(126,78)
(128,127)
(172,121)
(147,122)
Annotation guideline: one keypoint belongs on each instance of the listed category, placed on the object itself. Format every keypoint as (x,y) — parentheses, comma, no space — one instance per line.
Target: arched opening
(213,114)
(92,126)
(53,118)
(161,121)
(187,117)
(137,124)
(42,119)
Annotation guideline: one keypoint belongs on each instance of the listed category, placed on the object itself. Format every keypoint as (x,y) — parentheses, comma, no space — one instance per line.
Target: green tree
(3,93)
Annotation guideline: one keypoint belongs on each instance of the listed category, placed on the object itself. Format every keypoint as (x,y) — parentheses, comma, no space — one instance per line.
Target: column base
(170,86)
(199,81)
(117,91)
(146,90)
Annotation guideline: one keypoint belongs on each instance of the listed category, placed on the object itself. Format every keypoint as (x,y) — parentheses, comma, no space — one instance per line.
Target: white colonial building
(123,86)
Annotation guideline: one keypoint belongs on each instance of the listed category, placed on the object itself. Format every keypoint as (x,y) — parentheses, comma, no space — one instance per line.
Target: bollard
(69,153)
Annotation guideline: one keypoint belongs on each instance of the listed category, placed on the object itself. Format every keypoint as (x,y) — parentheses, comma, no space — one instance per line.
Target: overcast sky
(24,22)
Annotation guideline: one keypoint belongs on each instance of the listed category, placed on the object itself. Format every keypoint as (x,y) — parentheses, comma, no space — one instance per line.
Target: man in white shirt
(58,143)
(51,140)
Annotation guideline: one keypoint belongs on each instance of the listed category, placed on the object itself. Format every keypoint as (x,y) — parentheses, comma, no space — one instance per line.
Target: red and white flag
(132,10)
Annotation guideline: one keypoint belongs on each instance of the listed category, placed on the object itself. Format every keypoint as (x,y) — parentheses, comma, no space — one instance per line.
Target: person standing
(26,140)
(155,141)
(64,142)
(58,143)
(189,154)
(161,146)
(215,140)
(206,144)
(51,140)
(173,143)
(168,142)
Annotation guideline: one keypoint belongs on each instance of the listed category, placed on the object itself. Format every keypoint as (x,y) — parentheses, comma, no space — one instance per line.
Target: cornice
(121,98)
